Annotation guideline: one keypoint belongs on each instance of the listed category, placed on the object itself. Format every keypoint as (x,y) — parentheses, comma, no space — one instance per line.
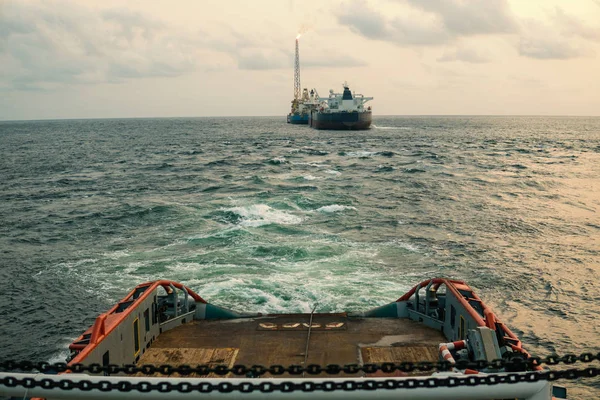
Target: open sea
(258,215)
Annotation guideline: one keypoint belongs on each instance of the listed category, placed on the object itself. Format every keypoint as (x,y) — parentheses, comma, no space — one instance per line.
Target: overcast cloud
(470,17)
(101,58)
(436,23)
(41,49)
(428,22)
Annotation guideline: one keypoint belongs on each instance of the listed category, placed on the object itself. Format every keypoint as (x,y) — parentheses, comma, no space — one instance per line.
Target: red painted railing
(490,321)
(99,330)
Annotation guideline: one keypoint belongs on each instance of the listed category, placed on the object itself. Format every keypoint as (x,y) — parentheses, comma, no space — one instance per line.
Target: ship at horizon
(342,111)
(302,107)
(303,102)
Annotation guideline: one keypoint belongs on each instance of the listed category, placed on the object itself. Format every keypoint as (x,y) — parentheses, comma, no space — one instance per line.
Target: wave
(261,214)
(359,154)
(389,128)
(334,208)
(277,161)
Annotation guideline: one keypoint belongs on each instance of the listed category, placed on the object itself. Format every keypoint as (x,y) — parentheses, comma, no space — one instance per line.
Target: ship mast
(297,91)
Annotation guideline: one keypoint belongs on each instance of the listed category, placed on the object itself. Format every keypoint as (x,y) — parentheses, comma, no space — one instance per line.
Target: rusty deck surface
(281,339)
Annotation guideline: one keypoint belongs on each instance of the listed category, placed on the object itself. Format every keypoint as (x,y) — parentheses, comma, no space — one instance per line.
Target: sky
(154,58)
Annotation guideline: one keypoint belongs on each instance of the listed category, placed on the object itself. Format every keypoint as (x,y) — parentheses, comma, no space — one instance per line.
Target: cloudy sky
(154,58)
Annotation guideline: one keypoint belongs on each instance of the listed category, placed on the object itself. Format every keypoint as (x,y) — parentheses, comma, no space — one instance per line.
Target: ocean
(258,215)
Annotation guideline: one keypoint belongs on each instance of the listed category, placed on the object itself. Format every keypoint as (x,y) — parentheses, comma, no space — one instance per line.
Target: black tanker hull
(340,120)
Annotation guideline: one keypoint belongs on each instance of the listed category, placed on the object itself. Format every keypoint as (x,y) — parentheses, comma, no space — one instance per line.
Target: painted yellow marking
(136,337)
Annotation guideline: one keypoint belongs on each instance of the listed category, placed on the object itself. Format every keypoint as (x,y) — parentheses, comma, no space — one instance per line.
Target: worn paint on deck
(245,341)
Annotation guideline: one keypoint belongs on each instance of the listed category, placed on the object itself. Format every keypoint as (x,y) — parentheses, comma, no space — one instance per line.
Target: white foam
(79,263)
(335,278)
(278,160)
(361,153)
(404,128)
(406,246)
(333,172)
(310,178)
(185,267)
(60,356)
(261,214)
(131,268)
(335,283)
(311,164)
(381,166)
(334,208)
(115,255)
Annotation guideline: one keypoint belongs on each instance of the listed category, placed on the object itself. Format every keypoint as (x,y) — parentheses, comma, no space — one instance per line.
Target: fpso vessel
(301,107)
(341,111)
(177,345)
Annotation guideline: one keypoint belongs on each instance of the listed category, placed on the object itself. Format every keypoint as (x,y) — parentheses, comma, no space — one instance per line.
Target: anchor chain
(512,365)
(308,386)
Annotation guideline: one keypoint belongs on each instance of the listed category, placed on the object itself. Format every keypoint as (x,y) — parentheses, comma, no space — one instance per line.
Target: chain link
(512,365)
(308,386)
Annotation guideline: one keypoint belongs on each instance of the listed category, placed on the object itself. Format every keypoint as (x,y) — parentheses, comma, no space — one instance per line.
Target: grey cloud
(128,24)
(75,45)
(401,30)
(250,51)
(567,38)
(429,22)
(571,25)
(437,23)
(545,48)
(406,30)
(361,19)
(46,45)
(132,19)
(270,52)
(471,17)
(10,26)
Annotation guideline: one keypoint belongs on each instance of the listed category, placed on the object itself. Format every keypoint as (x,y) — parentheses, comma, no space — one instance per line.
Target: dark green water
(258,215)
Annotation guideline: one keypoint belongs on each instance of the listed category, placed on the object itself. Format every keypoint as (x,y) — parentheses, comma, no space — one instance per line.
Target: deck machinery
(164,323)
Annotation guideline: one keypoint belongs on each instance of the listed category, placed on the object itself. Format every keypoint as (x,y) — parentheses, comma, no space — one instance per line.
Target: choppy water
(258,215)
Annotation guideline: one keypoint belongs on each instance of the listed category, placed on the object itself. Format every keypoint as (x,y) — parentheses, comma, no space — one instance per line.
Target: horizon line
(283,117)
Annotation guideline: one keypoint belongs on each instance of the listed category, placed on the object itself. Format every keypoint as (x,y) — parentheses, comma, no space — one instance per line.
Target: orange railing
(99,330)
(490,321)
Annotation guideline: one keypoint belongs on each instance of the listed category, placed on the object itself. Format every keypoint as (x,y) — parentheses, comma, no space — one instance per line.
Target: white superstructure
(344,102)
